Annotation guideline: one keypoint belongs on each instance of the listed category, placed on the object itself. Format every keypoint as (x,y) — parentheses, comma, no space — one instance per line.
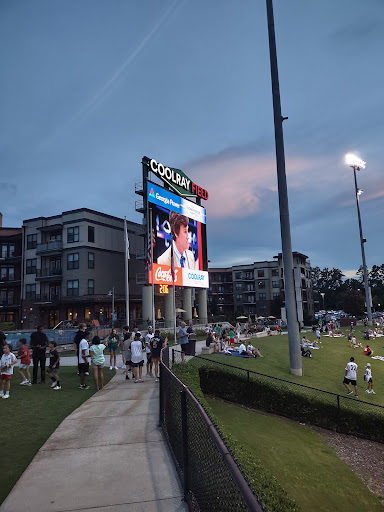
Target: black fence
(211,479)
(340,412)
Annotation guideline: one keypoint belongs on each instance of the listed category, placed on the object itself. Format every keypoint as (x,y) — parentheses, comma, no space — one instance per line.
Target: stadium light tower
(357,164)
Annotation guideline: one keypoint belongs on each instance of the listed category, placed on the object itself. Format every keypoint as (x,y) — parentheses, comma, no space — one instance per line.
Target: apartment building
(73,265)
(258,288)
(10,273)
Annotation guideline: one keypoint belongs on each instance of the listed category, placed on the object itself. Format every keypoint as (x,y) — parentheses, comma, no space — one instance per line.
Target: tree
(354,303)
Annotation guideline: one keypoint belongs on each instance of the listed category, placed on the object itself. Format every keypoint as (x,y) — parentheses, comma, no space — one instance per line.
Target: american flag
(153,239)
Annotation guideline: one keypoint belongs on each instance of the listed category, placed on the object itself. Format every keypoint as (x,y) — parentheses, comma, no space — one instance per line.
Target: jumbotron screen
(179,229)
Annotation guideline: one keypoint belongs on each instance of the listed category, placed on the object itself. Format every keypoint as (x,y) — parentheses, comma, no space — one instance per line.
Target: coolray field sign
(176,179)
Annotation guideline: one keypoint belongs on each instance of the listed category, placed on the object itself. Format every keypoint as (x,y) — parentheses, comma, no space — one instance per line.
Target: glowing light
(354,161)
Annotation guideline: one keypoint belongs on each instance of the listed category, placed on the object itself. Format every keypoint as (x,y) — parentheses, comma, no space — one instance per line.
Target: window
(250,287)
(30,291)
(275,295)
(262,308)
(91,234)
(73,288)
(55,236)
(31,266)
(91,286)
(260,273)
(7,273)
(73,261)
(249,275)
(91,260)
(221,289)
(239,286)
(262,296)
(239,298)
(31,241)
(73,234)
(275,284)
(275,272)
(4,251)
(237,275)
(261,284)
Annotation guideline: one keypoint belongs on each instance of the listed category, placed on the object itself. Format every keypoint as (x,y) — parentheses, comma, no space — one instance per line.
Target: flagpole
(126,244)
(151,235)
(173,293)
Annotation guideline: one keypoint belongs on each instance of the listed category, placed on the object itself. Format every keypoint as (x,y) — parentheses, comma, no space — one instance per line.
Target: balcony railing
(44,297)
(48,272)
(7,302)
(53,246)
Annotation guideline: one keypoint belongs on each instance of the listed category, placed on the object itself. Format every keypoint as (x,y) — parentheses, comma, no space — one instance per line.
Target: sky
(88,88)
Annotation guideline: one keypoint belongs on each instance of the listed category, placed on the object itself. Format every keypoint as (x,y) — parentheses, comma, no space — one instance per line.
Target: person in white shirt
(147,341)
(368,379)
(351,376)
(252,351)
(83,359)
(137,359)
(8,360)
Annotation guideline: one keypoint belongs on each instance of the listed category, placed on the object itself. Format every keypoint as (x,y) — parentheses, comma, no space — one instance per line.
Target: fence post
(161,393)
(338,403)
(184,432)
(173,357)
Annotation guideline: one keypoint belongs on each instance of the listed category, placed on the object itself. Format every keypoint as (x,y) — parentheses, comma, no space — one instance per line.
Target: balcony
(49,274)
(53,247)
(44,297)
(9,280)
(139,189)
(139,206)
(8,302)
(11,257)
(142,278)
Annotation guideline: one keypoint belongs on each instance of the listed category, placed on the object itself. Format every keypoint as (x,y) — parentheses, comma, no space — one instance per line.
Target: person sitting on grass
(368,351)
(305,352)
(251,350)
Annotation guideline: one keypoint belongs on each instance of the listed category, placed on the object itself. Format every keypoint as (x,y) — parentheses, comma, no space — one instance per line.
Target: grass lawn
(302,463)
(30,416)
(325,370)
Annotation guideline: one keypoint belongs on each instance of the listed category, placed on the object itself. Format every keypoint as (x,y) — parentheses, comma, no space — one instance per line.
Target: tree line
(348,294)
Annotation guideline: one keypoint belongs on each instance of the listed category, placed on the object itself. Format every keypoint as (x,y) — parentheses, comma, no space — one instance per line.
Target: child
(137,359)
(7,361)
(83,359)
(25,362)
(368,379)
(231,336)
(54,364)
(97,361)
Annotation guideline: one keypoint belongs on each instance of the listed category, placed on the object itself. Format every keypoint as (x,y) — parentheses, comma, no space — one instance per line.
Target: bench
(208,350)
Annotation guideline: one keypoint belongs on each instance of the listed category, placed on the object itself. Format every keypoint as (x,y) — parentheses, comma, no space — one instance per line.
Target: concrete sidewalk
(109,455)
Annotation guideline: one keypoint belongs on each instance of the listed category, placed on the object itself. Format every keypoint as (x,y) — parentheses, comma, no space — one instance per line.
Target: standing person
(39,344)
(113,343)
(190,329)
(126,349)
(207,329)
(183,338)
(97,361)
(54,365)
(368,379)
(78,337)
(238,330)
(8,359)
(231,335)
(137,359)
(318,336)
(157,343)
(25,362)
(351,376)
(147,341)
(83,359)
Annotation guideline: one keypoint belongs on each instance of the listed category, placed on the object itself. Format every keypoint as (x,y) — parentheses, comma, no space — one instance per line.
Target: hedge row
(298,404)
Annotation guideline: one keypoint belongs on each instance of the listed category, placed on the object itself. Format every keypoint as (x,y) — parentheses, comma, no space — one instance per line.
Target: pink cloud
(237,184)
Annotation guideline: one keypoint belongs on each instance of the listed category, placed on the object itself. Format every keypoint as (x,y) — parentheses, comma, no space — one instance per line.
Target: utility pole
(290,296)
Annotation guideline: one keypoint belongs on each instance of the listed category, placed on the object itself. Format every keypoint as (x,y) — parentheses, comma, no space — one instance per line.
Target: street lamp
(323,295)
(357,164)
(112,292)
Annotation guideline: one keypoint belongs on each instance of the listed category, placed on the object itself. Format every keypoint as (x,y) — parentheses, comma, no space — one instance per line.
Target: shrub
(299,404)
(7,326)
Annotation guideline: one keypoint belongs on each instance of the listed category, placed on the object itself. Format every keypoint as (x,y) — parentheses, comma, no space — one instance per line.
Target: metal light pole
(290,296)
(113,303)
(323,295)
(357,164)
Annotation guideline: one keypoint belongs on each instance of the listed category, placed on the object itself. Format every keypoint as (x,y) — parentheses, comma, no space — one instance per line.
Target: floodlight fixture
(354,161)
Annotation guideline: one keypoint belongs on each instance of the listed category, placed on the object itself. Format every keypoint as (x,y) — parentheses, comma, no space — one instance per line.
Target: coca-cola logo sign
(164,274)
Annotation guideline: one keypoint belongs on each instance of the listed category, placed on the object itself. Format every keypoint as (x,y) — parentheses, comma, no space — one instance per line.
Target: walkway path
(109,455)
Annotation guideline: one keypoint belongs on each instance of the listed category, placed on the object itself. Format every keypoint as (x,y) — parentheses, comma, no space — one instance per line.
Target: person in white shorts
(351,376)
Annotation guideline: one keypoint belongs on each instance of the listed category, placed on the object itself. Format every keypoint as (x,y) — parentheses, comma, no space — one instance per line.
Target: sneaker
(54,384)
(123,367)
(151,375)
(23,382)
(86,373)
(5,396)
(28,383)
(356,396)
(111,367)
(57,387)
(136,381)
(126,377)
(350,393)
(373,392)
(115,368)
(367,391)
(85,387)
(156,380)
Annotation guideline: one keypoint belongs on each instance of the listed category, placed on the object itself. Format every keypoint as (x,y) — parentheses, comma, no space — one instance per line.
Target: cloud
(240,183)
